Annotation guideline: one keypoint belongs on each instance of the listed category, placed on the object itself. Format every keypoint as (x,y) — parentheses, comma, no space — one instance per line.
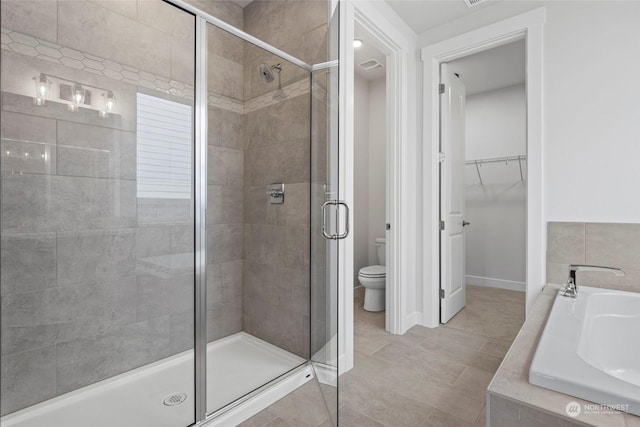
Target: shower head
(266,71)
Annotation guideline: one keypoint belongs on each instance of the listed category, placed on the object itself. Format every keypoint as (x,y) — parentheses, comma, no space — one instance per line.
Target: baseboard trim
(495,283)
(411,320)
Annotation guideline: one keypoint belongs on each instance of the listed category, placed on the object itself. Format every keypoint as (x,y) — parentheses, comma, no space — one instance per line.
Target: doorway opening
(370,182)
(483,191)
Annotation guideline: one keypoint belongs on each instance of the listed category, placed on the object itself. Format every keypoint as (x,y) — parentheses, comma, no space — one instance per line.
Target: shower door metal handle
(324,207)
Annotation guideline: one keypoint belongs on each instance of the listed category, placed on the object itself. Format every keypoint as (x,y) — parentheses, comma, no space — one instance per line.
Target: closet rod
(495,160)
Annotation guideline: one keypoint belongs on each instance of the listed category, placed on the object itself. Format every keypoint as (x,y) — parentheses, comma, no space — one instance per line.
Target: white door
(452,201)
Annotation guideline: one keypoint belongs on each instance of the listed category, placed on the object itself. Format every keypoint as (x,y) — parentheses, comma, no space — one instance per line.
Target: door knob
(465,223)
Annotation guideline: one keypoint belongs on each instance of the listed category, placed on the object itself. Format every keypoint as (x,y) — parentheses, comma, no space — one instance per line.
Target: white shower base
(236,365)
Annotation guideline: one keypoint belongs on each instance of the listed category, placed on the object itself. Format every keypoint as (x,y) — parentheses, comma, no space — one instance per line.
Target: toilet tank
(381,250)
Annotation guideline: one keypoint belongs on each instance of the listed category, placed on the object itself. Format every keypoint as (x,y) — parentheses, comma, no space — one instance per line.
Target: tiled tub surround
(513,401)
(604,244)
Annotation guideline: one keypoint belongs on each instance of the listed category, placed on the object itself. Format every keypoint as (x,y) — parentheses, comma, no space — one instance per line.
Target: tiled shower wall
(277,149)
(225,242)
(602,244)
(95,281)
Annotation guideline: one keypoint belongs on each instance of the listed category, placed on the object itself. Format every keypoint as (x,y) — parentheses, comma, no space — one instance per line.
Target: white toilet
(373,278)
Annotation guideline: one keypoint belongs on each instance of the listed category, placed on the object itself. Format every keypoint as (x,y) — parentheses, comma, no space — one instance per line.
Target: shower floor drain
(174,399)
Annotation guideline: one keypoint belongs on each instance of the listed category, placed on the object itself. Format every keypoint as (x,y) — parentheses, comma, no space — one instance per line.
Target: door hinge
(441,225)
(388,226)
(441,157)
(441,293)
(441,88)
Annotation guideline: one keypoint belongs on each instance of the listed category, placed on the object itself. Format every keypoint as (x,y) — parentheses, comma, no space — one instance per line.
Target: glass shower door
(257,238)
(329,220)
(97,214)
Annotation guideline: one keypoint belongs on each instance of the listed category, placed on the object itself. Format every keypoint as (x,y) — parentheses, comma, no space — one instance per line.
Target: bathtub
(590,348)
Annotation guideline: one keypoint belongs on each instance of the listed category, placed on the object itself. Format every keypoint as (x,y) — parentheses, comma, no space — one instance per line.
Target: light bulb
(357,43)
(109,103)
(77,96)
(42,89)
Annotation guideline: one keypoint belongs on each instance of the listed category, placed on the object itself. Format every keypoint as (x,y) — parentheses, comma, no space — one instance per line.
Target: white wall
(361,177)
(591,127)
(377,163)
(369,170)
(495,240)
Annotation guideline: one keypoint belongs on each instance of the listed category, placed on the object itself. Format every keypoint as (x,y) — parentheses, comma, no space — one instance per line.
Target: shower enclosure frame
(200,174)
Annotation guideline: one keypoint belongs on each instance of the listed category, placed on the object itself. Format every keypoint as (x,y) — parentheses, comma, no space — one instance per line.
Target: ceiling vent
(371,64)
(471,3)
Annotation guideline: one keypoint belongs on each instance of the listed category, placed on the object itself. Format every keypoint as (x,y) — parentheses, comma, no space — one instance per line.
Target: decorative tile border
(40,49)
(290,91)
(47,51)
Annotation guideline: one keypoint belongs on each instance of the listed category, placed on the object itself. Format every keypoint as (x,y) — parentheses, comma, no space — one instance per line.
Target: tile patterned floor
(427,377)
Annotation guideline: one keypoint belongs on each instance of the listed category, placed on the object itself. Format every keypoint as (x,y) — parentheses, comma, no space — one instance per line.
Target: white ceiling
(422,15)
(492,69)
(366,52)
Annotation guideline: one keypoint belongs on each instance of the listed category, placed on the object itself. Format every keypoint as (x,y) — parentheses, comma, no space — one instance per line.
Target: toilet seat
(373,271)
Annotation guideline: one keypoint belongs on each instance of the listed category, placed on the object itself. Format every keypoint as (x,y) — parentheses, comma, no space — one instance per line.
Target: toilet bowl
(373,278)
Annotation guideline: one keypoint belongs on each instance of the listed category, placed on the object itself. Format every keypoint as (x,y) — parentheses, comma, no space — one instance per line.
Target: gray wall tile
(225,204)
(128,8)
(93,151)
(225,166)
(181,334)
(86,361)
(93,255)
(60,314)
(224,44)
(226,128)
(225,77)
(615,245)
(159,296)
(147,48)
(286,162)
(605,244)
(224,319)
(226,10)
(565,242)
(152,241)
(28,144)
(38,18)
(224,243)
(182,60)
(166,18)
(55,203)
(28,262)
(27,378)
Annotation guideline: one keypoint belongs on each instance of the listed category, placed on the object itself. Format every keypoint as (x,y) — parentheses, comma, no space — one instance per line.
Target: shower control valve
(276,193)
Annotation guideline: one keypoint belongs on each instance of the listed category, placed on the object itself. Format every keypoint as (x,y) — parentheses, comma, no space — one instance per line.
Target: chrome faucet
(570,289)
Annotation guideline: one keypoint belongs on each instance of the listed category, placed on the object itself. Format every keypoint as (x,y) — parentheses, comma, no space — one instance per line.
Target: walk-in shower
(147,279)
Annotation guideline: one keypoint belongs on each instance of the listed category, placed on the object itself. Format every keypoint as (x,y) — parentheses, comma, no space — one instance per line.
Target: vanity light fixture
(357,43)
(109,103)
(74,94)
(42,89)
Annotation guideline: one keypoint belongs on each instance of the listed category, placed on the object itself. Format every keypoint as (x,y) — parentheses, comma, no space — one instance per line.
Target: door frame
(400,207)
(526,26)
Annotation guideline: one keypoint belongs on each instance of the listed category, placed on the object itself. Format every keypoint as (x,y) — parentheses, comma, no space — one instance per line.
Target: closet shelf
(506,161)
